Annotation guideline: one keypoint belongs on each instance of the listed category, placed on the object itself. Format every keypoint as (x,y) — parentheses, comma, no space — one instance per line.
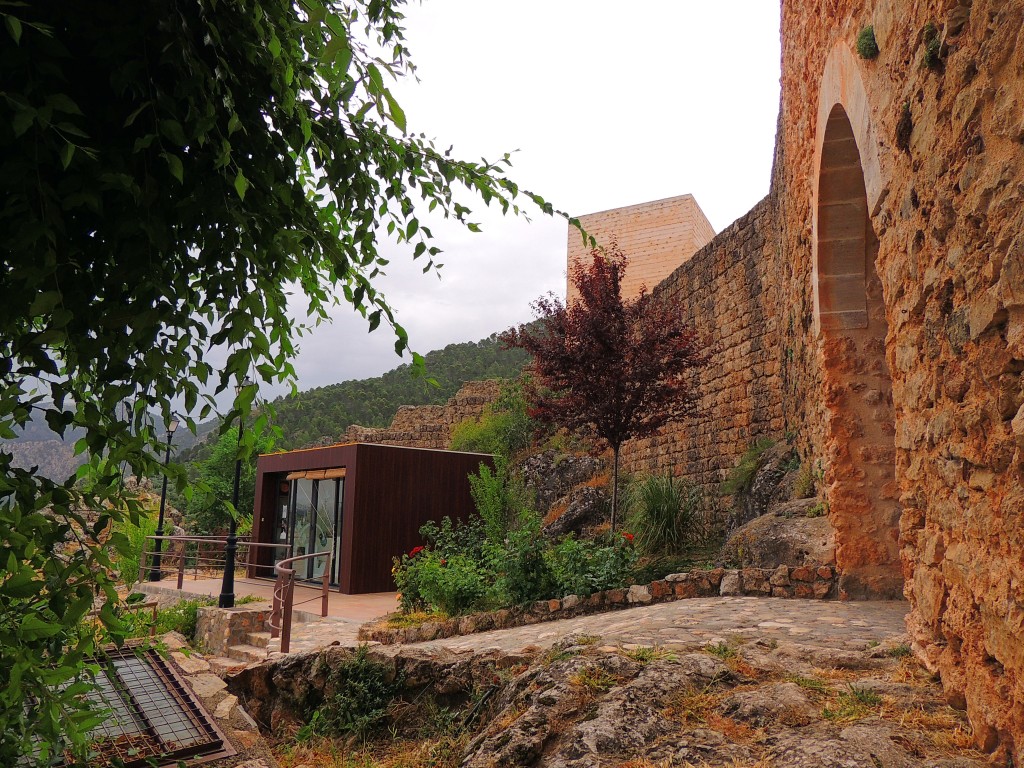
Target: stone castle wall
(429,426)
(943,164)
(656,237)
(910,396)
(728,293)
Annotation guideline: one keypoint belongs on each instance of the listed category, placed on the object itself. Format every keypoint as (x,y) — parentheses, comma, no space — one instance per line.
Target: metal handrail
(201,557)
(284,596)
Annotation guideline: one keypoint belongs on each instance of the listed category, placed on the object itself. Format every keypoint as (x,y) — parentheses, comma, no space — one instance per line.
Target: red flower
(627,536)
(415,551)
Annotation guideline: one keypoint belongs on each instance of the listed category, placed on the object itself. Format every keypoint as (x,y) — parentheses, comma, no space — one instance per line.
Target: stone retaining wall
(794,582)
(217,629)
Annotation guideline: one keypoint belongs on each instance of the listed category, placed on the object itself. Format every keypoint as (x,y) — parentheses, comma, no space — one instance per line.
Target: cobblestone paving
(680,624)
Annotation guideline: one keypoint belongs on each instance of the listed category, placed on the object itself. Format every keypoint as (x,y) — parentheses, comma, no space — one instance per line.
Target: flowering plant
(415,551)
(627,536)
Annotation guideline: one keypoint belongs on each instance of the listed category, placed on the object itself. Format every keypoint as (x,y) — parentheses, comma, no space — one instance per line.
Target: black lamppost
(154,573)
(227,589)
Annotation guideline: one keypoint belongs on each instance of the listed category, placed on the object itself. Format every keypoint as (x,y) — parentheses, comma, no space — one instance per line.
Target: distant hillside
(329,411)
(323,412)
(326,412)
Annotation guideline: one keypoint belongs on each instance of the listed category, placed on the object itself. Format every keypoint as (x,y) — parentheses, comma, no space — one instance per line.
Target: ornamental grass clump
(665,513)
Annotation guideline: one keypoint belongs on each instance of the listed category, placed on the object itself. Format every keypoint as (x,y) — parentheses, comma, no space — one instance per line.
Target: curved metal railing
(284,596)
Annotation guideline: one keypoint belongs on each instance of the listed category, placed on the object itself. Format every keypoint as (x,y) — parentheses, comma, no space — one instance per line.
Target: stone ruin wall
(942,400)
(429,426)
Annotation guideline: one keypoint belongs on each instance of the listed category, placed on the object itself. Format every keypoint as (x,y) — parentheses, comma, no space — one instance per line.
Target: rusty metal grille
(153,716)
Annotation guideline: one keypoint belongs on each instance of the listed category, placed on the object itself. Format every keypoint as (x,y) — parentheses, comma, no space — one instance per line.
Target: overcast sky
(608,104)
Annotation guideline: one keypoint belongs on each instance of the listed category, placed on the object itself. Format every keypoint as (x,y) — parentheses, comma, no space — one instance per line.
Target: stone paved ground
(680,624)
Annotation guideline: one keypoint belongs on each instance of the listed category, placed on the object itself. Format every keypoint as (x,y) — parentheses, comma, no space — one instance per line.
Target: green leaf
(33,627)
(44,303)
(66,154)
(22,584)
(22,120)
(241,185)
(274,46)
(172,130)
(397,115)
(376,81)
(175,166)
(63,103)
(13,27)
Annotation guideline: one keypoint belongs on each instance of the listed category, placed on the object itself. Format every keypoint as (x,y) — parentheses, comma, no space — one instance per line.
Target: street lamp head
(172,427)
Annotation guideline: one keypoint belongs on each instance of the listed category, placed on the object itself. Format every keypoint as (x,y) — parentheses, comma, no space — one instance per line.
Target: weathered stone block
(731,584)
(638,593)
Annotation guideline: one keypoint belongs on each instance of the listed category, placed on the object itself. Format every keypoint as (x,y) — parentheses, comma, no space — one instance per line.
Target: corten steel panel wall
(400,489)
(390,492)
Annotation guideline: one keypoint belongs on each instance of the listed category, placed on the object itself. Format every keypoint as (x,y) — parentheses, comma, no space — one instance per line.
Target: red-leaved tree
(616,368)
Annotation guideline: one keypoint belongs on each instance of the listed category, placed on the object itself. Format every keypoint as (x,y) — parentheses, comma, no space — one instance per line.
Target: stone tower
(656,237)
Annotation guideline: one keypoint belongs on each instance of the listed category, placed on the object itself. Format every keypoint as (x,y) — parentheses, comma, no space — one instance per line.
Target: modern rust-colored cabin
(363,502)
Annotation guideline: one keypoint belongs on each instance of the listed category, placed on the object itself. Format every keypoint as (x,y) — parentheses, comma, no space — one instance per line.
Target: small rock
(225,707)
(174,641)
(730,583)
(783,703)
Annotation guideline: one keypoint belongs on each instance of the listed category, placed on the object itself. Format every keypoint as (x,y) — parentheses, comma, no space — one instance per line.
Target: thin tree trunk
(615,483)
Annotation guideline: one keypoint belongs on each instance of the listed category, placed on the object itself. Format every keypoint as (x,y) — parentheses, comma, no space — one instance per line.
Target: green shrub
(585,567)
(867,46)
(503,429)
(180,617)
(449,539)
(360,692)
(454,585)
(932,46)
(805,483)
(523,573)
(128,561)
(742,475)
(501,499)
(665,513)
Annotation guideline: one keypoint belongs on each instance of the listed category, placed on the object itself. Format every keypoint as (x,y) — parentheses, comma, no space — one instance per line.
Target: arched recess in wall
(850,317)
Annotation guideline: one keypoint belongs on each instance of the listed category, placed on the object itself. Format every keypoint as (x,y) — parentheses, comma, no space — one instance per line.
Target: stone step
(259,639)
(247,653)
(222,666)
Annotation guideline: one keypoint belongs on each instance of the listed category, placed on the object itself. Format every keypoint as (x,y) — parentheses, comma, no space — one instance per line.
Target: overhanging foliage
(170,171)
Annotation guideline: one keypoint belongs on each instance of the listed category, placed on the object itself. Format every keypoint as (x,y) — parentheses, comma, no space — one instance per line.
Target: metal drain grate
(153,716)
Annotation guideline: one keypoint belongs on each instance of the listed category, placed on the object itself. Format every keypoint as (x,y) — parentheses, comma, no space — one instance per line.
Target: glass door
(303,514)
(315,514)
(338,517)
(323,529)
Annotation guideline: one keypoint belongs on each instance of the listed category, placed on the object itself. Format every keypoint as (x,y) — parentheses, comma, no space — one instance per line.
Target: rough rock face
(585,704)
(772,484)
(551,475)
(784,536)
(587,507)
